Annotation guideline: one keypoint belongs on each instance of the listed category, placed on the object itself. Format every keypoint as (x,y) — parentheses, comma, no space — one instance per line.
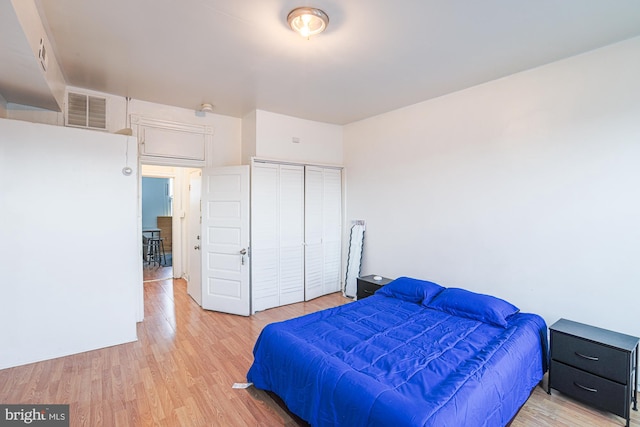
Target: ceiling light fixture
(308,21)
(206,108)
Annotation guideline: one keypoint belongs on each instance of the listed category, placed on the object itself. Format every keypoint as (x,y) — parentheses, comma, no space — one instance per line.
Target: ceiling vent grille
(86,111)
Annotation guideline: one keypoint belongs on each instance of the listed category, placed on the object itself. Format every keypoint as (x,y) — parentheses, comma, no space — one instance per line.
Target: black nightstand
(367,286)
(594,365)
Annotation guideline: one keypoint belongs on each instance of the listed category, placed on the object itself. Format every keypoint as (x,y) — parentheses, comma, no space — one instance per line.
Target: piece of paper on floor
(241,385)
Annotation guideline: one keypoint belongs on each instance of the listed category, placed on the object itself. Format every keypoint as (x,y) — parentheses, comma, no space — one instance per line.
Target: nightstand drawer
(599,392)
(366,289)
(592,357)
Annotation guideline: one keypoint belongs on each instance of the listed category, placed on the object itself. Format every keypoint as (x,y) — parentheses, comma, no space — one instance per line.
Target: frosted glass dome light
(308,21)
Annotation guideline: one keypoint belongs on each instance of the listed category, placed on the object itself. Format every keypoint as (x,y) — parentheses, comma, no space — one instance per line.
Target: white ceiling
(376,55)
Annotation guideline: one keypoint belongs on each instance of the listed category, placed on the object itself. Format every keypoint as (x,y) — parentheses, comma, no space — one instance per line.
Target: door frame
(193,256)
(180,175)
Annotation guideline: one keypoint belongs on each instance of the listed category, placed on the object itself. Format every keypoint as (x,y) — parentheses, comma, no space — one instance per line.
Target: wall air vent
(86,111)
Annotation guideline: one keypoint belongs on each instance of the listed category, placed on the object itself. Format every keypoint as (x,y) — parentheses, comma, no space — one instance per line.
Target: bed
(413,354)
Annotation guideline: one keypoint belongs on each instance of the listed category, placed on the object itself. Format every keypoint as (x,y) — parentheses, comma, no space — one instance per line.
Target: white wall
(319,143)
(525,188)
(224,150)
(69,255)
(31,114)
(249,123)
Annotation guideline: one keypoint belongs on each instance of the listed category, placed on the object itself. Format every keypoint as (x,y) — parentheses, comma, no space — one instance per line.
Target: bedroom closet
(296,229)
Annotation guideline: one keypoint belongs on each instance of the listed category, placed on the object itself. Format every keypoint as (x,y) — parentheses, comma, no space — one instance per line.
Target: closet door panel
(323,230)
(332,229)
(264,237)
(313,224)
(296,233)
(277,235)
(332,267)
(313,209)
(264,281)
(313,270)
(291,227)
(291,275)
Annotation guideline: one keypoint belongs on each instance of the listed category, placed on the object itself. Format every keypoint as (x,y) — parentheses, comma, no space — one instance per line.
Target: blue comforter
(383,361)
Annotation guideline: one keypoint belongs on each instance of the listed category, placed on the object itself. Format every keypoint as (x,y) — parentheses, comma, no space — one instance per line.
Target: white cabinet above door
(163,141)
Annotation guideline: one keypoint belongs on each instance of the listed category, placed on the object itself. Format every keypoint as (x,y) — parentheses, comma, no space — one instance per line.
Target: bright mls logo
(34,415)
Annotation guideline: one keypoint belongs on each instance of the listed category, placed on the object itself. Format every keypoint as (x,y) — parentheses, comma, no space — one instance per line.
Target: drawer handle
(367,291)
(592,390)
(595,359)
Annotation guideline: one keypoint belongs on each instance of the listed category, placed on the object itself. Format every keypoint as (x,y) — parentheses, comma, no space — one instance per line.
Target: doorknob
(196,247)
(243,251)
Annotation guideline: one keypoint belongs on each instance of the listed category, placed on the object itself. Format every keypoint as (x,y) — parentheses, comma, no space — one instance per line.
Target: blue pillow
(408,289)
(463,303)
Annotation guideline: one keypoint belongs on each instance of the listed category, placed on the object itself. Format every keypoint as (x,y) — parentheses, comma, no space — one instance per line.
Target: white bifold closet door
(277,235)
(323,230)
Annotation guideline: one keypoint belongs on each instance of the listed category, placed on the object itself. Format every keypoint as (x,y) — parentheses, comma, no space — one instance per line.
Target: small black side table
(367,285)
(596,366)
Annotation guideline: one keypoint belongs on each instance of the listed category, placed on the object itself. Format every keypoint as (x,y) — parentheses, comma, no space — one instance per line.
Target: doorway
(168,212)
(157,227)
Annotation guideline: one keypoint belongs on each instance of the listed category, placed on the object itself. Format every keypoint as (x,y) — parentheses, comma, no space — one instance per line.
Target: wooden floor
(155,273)
(181,371)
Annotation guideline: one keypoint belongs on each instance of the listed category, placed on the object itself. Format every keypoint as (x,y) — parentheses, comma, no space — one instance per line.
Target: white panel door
(313,224)
(225,239)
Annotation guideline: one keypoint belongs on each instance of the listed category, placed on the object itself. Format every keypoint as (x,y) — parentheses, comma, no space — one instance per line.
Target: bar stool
(147,235)
(155,251)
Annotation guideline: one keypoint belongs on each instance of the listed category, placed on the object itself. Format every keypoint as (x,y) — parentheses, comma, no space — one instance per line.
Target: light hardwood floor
(181,369)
